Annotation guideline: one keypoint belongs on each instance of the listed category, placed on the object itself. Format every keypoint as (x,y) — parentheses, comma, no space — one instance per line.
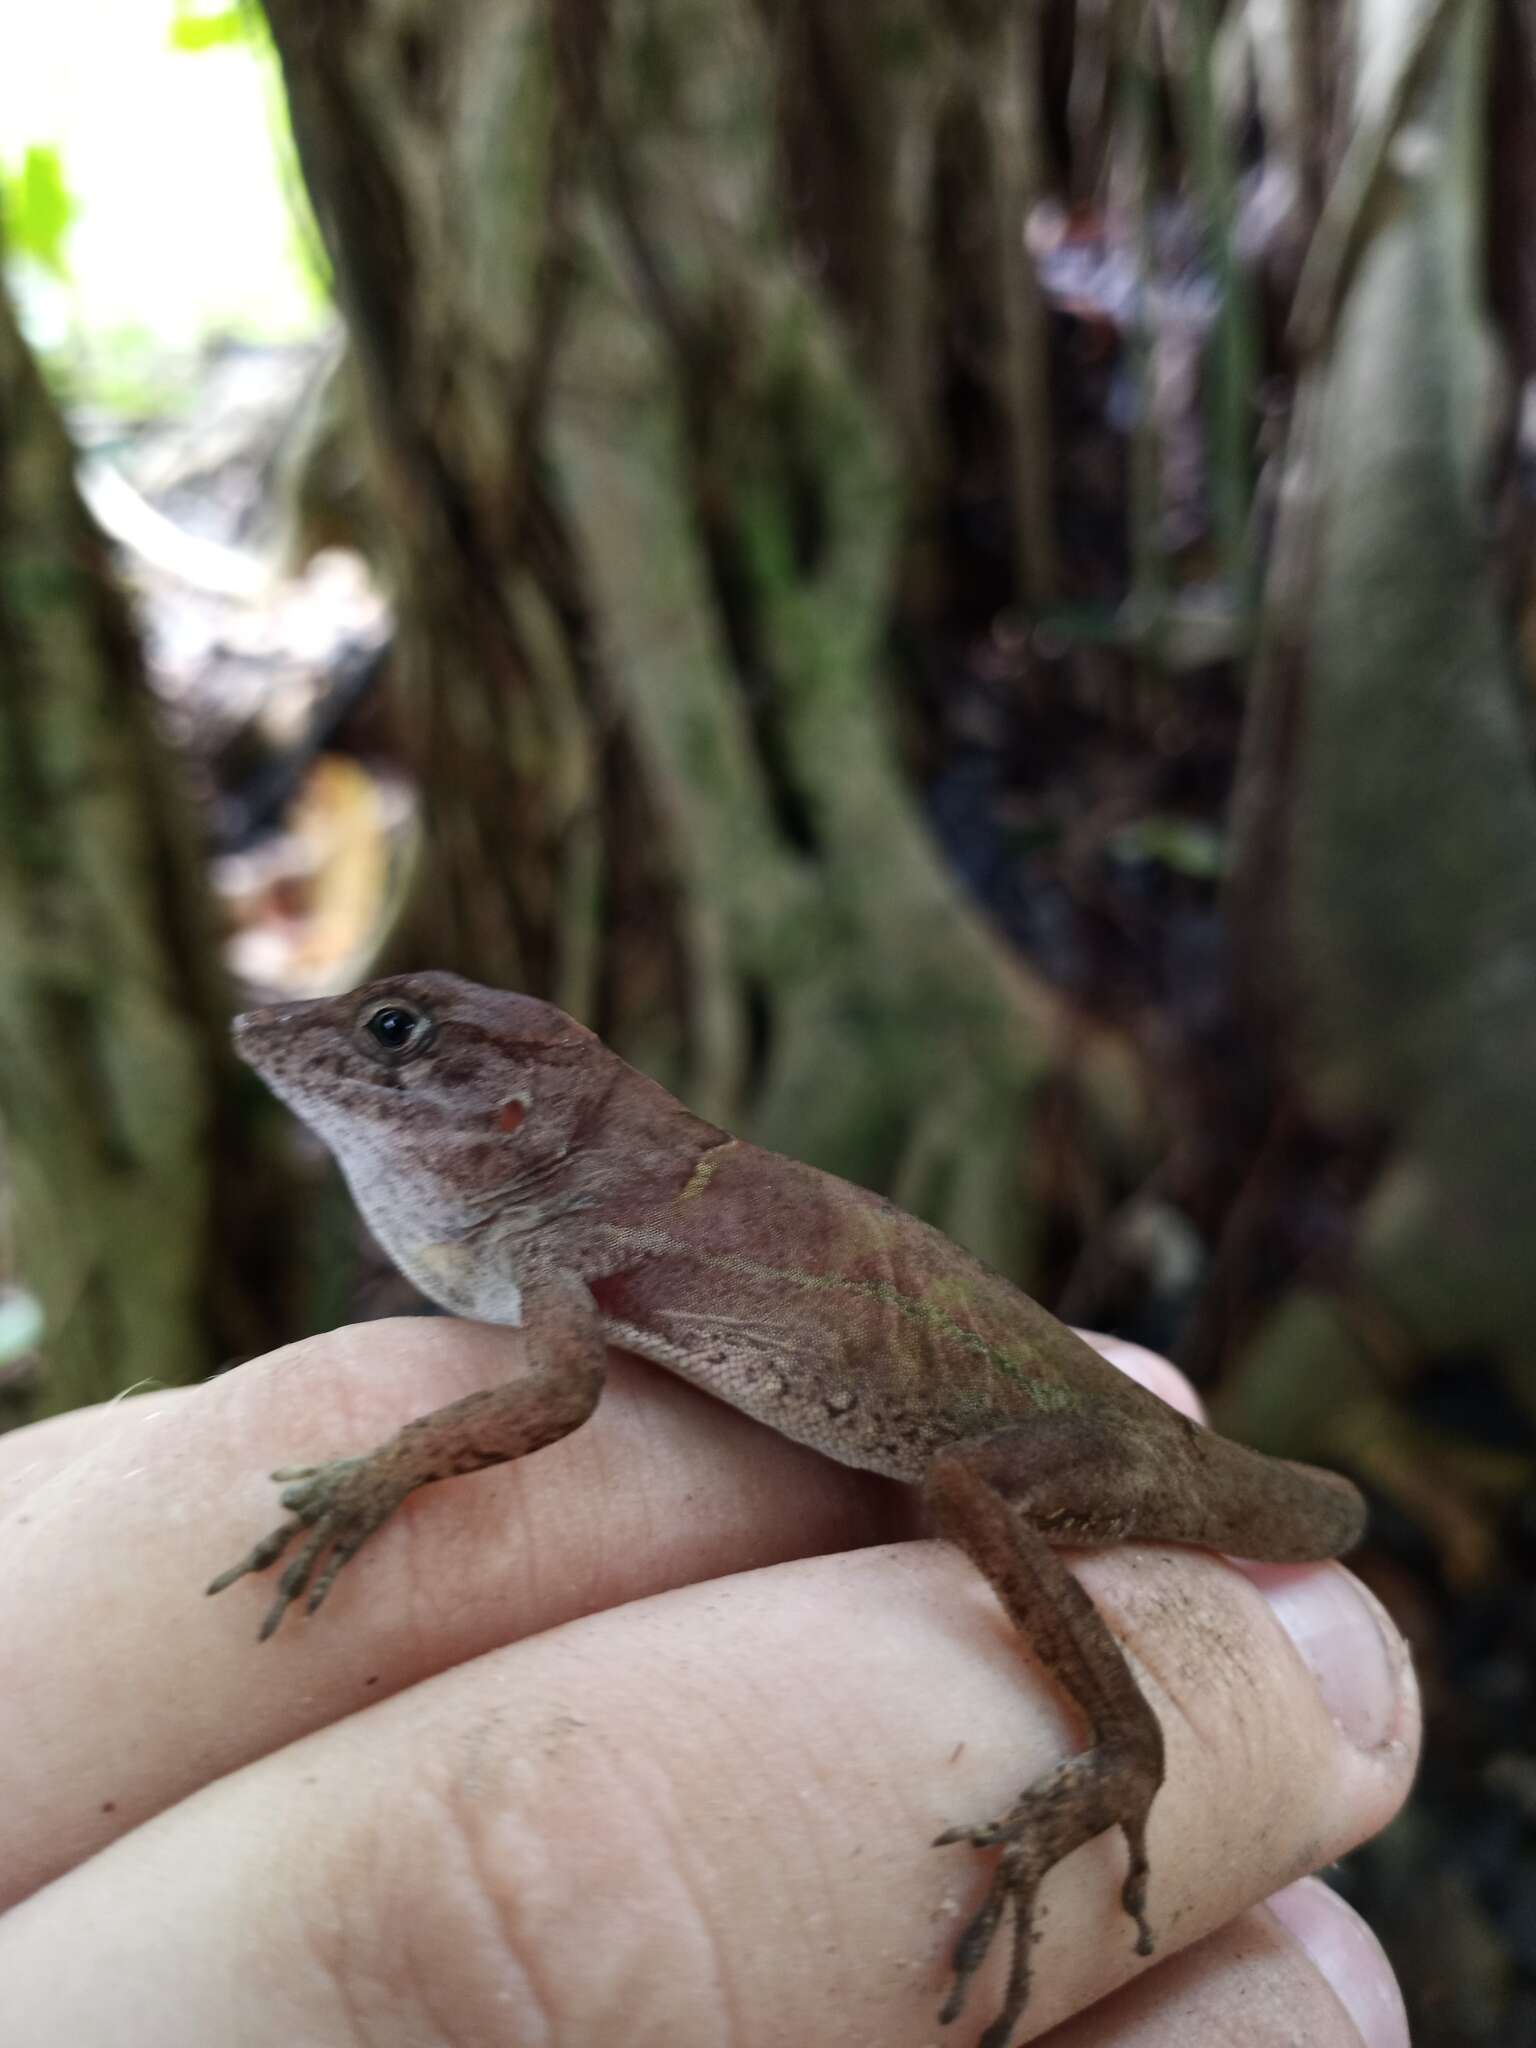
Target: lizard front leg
(995,1499)
(342,1502)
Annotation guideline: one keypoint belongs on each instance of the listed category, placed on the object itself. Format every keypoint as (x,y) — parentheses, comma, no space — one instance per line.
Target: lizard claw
(266,1552)
(341,1504)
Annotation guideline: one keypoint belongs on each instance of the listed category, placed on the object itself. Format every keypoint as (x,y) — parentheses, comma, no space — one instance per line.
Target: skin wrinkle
(326,1937)
(838,1863)
(638,1798)
(1214,1674)
(524,1959)
(1180,1654)
(320,1899)
(594,1111)
(654,1531)
(734,2002)
(838,1868)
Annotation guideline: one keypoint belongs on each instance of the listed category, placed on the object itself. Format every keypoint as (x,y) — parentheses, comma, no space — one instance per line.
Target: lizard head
(440,1099)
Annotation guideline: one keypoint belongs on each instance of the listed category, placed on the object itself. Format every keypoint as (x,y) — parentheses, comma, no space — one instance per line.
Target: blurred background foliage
(955,576)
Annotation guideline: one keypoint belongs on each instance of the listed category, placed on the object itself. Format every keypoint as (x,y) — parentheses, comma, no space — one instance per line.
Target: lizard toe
(265,1553)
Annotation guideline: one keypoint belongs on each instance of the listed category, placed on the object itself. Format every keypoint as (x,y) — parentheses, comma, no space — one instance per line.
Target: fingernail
(1348,1957)
(1348,1642)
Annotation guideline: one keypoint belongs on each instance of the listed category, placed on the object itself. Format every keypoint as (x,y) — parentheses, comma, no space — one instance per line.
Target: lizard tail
(1271,1509)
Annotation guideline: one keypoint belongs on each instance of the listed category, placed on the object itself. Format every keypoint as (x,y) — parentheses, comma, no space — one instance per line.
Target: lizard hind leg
(988,1498)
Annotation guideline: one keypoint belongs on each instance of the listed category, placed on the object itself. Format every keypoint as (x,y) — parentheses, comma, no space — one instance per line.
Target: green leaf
(198,28)
(39,209)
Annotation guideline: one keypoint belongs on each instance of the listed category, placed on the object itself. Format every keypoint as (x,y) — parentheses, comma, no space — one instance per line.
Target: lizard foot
(340,1504)
(1102,1788)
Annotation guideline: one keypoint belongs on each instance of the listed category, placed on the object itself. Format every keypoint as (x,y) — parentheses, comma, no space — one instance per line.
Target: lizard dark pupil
(393,1028)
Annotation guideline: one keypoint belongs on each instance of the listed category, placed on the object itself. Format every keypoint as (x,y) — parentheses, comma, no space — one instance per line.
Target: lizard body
(520,1172)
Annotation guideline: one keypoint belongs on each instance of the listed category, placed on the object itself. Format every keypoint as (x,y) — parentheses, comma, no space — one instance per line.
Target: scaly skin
(518,1171)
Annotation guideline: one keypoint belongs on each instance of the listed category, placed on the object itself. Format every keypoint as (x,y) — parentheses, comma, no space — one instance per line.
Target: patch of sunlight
(171,158)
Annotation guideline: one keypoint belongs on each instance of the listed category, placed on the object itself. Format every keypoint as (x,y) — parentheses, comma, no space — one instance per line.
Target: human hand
(626,1742)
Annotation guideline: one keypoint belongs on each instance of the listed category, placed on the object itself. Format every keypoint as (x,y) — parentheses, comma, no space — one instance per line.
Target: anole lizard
(519,1172)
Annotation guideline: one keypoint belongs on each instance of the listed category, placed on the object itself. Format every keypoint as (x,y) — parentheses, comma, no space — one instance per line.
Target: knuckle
(500,1901)
(1256,1765)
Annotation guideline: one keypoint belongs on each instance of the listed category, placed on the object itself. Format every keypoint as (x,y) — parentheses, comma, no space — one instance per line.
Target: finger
(1344,1951)
(661,1487)
(121,1512)
(31,1456)
(1164,1379)
(1258,1981)
(702,1817)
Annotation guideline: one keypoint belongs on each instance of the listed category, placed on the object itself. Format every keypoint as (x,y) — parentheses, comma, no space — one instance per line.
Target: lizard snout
(257,1034)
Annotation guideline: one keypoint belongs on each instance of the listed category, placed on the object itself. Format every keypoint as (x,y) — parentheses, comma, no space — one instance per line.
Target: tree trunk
(140,1223)
(1387,861)
(636,402)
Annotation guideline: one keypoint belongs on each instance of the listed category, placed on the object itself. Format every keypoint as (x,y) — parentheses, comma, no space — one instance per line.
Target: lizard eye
(396,1029)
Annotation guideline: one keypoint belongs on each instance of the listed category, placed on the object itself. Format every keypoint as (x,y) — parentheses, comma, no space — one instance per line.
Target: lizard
(518,1171)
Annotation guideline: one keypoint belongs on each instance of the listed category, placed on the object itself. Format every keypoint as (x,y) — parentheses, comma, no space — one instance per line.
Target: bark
(1388,857)
(140,1222)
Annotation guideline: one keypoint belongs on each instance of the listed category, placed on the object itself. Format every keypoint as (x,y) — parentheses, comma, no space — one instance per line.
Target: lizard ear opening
(511,1113)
